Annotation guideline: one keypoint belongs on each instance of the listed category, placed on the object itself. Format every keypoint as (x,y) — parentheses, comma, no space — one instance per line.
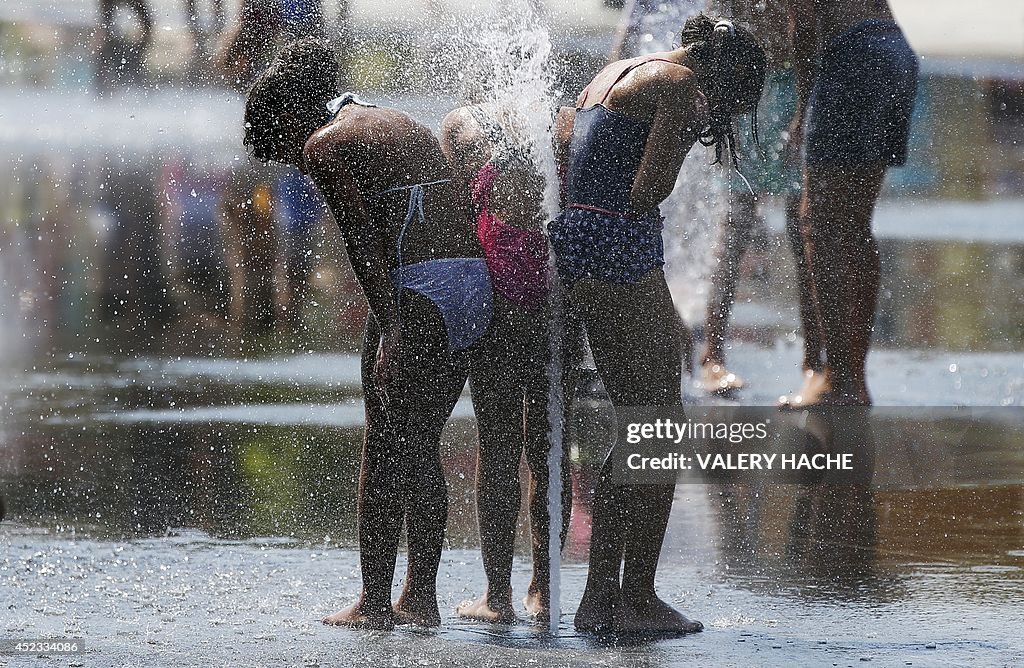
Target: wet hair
(731,69)
(300,81)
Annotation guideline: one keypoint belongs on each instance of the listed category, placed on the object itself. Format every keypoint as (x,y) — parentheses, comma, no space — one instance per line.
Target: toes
(693,626)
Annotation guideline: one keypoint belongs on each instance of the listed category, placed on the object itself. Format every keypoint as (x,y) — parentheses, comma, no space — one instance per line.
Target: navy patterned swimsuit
(598,235)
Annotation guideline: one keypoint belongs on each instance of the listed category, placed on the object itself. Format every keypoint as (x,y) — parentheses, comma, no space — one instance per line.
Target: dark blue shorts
(860,107)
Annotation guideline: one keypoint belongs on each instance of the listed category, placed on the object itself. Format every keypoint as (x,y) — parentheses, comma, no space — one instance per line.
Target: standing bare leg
(839,204)
(736,232)
(497,393)
(635,337)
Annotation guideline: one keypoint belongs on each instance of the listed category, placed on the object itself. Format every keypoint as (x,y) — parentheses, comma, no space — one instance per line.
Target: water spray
(514,55)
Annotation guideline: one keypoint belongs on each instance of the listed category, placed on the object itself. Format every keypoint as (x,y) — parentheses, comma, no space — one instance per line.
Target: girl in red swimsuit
(508,373)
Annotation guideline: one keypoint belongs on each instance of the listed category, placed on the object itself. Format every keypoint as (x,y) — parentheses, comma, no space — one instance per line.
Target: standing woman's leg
(601,597)
(866,263)
(844,269)
(810,325)
(432,379)
(817,376)
(380,510)
(635,337)
(497,392)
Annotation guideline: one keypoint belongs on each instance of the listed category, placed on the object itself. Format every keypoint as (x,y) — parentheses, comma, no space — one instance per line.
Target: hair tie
(725,25)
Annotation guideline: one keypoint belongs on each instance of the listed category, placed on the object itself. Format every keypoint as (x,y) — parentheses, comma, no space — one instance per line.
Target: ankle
(417,594)
(368,603)
(604,591)
(501,595)
(639,596)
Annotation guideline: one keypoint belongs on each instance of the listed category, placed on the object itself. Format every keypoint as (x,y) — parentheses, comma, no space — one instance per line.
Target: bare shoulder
(565,118)
(357,128)
(565,114)
(669,82)
(457,120)
(325,148)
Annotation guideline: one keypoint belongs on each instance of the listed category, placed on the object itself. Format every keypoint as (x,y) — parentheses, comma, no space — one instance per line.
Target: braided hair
(300,81)
(731,71)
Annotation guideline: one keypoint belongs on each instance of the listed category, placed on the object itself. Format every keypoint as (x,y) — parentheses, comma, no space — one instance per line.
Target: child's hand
(386,369)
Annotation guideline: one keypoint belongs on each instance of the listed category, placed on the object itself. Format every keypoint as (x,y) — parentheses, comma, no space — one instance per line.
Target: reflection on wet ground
(174,507)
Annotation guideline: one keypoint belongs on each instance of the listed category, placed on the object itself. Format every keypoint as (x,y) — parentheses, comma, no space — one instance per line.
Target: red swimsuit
(517,257)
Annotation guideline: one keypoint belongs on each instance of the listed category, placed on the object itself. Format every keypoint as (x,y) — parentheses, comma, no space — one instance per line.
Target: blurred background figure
(262,26)
(857,81)
(120,53)
(300,212)
(764,175)
(251,248)
(194,242)
(134,295)
(205,30)
(270,218)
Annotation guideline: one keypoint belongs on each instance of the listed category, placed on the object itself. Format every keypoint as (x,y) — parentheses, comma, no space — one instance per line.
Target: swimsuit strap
(415,206)
(412,186)
(626,70)
(339,103)
(416,192)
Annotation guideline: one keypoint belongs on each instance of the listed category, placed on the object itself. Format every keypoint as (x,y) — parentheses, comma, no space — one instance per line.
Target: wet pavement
(193,510)
(167,509)
(171,600)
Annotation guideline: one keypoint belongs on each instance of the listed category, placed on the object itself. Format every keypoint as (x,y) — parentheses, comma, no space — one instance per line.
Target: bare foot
(816,384)
(356,617)
(496,610)
(596,614)
(716,379)
(838,398)
(536,604)
(653,616)
(418,609)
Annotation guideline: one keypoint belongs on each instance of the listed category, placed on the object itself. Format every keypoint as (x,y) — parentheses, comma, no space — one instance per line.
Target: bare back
(369,157)
(835,17)
(664,96)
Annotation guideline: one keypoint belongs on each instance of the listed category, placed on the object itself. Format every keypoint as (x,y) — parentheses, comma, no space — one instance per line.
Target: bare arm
(674,129)
(562,139)
(367,249)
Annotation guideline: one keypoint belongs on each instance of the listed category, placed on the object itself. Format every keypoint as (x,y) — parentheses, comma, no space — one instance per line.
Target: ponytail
(730,71)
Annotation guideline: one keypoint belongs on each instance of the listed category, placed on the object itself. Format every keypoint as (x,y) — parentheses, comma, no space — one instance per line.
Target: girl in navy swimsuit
(620,151)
